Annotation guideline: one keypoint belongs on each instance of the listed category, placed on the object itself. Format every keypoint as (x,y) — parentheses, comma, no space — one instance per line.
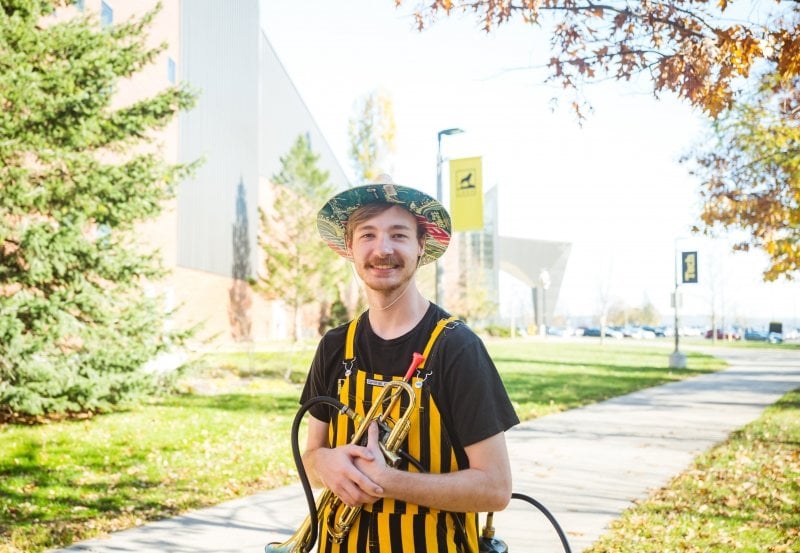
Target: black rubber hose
(298,460)
(561,535)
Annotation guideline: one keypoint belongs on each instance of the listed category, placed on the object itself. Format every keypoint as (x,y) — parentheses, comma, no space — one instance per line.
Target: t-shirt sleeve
(476,399)
(318,382)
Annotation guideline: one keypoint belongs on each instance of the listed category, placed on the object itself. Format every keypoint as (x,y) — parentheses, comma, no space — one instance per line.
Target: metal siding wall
(219,59)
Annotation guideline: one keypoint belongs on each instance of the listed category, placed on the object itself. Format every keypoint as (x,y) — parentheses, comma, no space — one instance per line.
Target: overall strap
(349,343)
(441,325)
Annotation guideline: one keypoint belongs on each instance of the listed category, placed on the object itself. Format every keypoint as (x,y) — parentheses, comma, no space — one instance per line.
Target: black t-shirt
(464,381)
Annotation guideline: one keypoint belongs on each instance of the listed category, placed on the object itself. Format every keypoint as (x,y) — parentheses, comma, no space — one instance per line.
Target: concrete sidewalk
(585,465)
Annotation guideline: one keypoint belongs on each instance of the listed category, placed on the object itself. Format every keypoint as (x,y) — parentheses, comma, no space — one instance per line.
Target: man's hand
(375,466)
(339,472)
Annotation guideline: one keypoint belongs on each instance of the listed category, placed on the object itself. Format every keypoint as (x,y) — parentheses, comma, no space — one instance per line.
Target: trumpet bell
(289,546)
(299,542)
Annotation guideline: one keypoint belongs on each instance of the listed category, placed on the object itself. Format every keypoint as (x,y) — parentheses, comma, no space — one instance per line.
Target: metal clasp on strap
(348,365)
(422,379)
(452,323)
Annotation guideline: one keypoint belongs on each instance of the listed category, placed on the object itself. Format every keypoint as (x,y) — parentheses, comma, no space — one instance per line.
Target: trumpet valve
(392,458)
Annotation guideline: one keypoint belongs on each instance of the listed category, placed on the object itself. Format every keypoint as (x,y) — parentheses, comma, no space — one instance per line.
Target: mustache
(385,260)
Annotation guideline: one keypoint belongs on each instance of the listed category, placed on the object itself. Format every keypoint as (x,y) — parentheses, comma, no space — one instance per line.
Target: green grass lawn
(742,496)
(549,376)
(67,481)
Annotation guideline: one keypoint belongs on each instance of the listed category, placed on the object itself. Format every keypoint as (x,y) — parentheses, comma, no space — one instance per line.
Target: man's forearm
(469,490)
(310,458)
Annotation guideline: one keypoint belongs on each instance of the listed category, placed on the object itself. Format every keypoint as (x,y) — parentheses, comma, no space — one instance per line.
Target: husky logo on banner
(466,193)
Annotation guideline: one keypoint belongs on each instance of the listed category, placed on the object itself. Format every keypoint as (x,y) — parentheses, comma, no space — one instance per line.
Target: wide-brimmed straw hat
(333,216)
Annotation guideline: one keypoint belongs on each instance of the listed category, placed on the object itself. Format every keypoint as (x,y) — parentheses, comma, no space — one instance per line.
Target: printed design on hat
(430,214)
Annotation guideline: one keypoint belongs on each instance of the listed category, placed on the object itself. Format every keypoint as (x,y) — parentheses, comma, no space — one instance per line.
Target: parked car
(557,331)
(595,331)
(762,336)
(724,334)
(638,332)
(694,331)
(659,331)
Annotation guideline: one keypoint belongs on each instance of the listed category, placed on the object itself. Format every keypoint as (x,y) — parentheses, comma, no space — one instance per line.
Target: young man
(461,409)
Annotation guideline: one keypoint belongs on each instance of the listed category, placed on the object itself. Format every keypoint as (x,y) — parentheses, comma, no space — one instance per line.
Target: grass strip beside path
(551,376)
(72,480)
(742,496)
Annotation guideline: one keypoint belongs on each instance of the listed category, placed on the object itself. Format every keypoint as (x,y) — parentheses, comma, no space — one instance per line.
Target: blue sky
(613,187)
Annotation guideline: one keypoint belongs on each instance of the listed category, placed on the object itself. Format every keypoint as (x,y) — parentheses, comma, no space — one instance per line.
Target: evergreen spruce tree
(77,173)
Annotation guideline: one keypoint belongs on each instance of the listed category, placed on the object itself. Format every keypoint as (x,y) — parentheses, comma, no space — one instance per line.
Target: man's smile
(384,265)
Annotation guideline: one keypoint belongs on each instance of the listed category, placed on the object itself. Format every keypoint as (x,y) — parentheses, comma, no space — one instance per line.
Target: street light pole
(446,132)
(677,360)
(675,301)
(544,283)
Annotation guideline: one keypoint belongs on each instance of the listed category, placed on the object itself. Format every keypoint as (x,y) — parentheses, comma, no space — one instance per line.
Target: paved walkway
(585,465)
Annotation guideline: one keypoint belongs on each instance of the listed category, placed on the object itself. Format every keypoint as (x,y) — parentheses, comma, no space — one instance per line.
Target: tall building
(536,266)
(248,114)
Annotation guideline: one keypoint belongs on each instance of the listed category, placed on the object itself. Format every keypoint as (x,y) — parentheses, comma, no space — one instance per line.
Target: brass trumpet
(339,523)
(392,434)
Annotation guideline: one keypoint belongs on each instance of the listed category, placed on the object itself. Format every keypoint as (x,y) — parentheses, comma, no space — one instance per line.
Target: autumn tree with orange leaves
(739,63)
(750,172)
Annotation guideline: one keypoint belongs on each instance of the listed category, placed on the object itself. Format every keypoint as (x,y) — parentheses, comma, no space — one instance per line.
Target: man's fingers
(371,449)
(366,485)
(357,451)
(372,435)
(351,496)
(354,494)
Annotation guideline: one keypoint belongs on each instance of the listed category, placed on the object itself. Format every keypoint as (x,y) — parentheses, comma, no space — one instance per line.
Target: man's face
(385,249)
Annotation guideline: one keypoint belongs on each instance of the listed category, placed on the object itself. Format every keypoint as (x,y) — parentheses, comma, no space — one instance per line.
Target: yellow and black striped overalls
(389,525)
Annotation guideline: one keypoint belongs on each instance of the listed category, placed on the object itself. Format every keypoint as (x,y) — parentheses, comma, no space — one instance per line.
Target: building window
(80,4)
(171,70)
(106,15)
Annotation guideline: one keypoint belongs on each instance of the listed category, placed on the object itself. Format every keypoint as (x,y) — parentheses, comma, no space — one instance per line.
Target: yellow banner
(466,193)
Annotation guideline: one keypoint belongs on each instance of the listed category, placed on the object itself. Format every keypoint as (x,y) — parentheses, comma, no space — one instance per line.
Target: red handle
(416,360)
